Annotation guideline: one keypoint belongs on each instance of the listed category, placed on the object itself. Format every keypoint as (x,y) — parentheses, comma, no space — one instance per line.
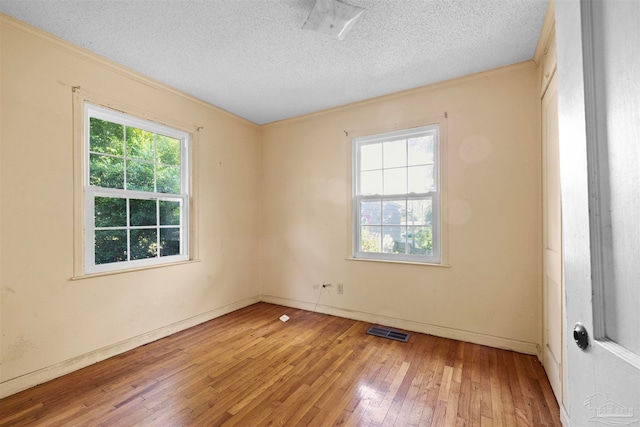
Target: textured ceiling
(252,58)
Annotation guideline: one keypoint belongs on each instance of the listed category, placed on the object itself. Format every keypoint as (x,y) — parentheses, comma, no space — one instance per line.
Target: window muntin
(136,192)
(396,195)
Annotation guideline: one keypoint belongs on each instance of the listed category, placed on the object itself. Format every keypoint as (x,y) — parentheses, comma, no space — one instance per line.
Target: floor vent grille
(379,331)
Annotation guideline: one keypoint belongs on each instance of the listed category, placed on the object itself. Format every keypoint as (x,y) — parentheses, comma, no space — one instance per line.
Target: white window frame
(90,192)
(434,195)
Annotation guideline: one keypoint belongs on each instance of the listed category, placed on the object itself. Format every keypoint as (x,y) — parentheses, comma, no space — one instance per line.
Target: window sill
(388,261)
(130,270)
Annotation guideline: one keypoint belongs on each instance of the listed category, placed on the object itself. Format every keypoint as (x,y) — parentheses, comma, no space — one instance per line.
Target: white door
(599,126)
(551,241)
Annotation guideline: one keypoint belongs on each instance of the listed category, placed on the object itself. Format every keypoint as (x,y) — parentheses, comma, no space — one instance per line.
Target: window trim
(89,110)
(438,256)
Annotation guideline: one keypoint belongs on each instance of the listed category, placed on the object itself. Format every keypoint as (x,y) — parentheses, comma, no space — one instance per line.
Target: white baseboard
(409,325)
(40,376)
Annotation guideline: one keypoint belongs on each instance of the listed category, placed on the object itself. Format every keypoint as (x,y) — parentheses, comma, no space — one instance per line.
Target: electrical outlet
(316,287)
(340,288)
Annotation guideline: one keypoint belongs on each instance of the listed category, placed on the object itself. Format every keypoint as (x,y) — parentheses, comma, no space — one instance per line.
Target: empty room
(319,212)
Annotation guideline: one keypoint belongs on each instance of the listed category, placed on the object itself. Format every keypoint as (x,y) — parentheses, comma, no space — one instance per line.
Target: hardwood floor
(250,369)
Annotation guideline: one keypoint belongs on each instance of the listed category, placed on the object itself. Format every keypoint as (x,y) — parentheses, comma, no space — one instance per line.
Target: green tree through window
(136,190)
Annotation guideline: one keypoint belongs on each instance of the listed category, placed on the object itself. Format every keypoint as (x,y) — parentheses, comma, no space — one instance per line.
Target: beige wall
(290,192)
(491,291)
(47,319)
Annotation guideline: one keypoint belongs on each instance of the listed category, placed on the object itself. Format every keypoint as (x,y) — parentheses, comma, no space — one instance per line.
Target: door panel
(599,109)
(551,241)
(617,70)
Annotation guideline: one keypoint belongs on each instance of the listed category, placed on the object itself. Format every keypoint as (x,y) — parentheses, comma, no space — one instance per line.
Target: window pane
(168,179)
(142,212)
(106,137)
(396,195)
(139,176)
(168,150)
(110,246)
(370,213)
(420,240)
(169,213)
(419,212)
(169,241)
(395,153)
(420,179)
(421,150)
(394,212)
(110,212)
(371,156)
(106,172)
(393,239)
(144,244)
(370,239)
(371,183)
(140,144)
(395,181)
(127,166)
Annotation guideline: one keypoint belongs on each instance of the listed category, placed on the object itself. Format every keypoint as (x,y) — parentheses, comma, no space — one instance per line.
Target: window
(396,196)
(136,192)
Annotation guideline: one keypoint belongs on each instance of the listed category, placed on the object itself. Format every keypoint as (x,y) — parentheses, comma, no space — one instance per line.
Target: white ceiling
(252,58)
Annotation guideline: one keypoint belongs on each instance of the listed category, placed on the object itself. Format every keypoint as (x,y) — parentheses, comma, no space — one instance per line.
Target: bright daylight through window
(396,196)
(136,192)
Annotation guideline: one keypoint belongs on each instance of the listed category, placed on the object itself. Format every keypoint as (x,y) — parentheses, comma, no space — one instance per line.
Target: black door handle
(581,336)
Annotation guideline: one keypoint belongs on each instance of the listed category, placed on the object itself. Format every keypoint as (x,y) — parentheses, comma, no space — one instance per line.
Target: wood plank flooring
(250,369)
